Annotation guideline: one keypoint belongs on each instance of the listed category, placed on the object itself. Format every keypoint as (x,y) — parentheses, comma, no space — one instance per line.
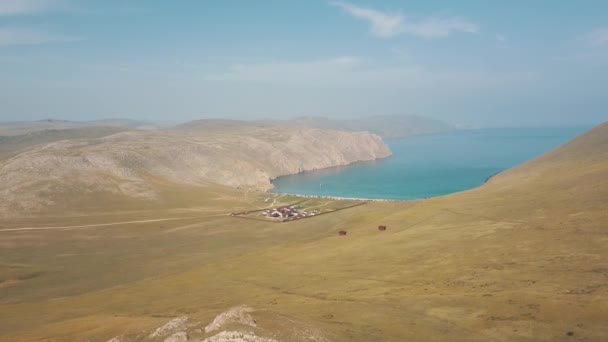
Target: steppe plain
(522,258)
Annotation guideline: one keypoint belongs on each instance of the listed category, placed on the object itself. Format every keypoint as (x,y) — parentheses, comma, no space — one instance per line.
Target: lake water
(430,165)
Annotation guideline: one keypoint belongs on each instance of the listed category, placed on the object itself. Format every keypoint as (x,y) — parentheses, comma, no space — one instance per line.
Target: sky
(472,63)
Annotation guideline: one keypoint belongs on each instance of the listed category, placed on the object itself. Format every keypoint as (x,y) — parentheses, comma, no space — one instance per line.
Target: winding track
(108,224)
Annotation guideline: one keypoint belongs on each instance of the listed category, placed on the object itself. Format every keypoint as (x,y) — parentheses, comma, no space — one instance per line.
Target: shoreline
(492,176)
(271,179)
(338,198)
(269,191)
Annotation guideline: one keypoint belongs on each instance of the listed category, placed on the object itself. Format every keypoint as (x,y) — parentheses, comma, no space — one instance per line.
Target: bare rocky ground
(237,324)
(129,163)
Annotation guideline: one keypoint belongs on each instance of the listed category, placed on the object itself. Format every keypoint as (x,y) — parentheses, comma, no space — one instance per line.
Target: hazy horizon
(168,123)
(465,64)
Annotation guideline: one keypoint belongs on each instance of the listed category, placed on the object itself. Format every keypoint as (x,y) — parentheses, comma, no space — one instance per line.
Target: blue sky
(482,63)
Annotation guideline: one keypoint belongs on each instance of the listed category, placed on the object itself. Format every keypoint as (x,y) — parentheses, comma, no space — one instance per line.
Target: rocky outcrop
(124,163)
(238,324)
(239,314)
(181,336)
(170,327)
(237,336)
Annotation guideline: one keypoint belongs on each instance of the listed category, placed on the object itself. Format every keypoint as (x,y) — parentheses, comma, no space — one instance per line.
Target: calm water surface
(431,165)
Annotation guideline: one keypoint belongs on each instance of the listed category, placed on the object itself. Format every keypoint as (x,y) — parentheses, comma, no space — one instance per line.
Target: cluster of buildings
(291,212)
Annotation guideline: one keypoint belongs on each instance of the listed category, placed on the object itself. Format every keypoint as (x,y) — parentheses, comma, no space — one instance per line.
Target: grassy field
(524,258)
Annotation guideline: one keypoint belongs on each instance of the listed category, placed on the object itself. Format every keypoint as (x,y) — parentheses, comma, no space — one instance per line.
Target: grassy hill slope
(522,258)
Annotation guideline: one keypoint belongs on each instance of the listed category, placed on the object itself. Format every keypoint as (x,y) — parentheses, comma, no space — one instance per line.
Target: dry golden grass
(523,258)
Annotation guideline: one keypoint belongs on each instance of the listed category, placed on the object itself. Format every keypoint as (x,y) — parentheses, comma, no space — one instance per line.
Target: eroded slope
(129,163)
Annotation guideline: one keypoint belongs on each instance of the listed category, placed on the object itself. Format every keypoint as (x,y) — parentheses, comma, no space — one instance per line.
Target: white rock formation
(170,327)
(239,314)
(181,336)
(237,336)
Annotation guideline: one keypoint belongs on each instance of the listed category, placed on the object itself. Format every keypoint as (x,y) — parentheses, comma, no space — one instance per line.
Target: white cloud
(386,25)
(22,7)
(382,24)
(437,27)
(25,36)
(598,37)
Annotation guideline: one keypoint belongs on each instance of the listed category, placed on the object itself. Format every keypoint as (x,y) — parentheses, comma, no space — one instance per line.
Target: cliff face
(124,163)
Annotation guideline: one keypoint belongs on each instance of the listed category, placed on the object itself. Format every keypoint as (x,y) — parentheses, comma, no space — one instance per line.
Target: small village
(295,211)
(306,208)
(288,213)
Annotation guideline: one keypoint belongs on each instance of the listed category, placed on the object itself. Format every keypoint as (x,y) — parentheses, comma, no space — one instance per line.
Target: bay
(430,165)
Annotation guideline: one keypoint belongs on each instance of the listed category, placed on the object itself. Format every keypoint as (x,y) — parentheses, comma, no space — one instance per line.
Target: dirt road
(109,224)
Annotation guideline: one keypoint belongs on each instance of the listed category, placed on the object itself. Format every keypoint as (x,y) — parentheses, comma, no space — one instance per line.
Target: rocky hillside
(13,144)
(128,163)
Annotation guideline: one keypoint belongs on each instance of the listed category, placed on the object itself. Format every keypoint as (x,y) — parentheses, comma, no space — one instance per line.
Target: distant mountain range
(386,126)
(25,127)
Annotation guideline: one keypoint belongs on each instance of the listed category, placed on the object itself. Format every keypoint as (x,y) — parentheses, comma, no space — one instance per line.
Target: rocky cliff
(124,163)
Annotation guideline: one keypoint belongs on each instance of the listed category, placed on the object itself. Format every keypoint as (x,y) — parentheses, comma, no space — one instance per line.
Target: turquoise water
(430,165)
